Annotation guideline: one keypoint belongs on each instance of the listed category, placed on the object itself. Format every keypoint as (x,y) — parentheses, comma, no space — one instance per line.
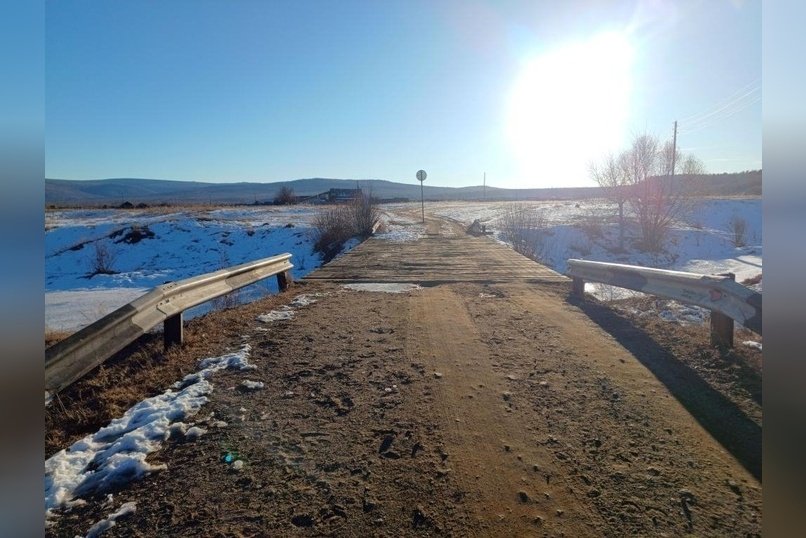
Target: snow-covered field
(146,248)
(149,247)
(588,230)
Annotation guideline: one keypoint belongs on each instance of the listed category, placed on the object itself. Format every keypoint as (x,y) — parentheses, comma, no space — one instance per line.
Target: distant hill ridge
(153,191)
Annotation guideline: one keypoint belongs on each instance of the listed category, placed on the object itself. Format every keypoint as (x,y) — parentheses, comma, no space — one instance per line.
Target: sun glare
(567,107)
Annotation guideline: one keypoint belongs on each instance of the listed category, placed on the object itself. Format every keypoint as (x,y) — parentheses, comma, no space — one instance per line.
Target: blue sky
(527,92)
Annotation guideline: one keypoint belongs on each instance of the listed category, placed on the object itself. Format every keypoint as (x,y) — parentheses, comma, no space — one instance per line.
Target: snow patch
(194,433)
(401,234)
(306,299)
(109,522)
(116,454)
(383,287)
(284,314)
(684,314)
(252,385)
(752,343)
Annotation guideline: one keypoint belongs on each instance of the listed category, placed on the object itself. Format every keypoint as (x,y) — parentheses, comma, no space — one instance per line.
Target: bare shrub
(334,226)
(738,229)
(331,230)
(525,229)
(364,215)
(102,259)
(591,225)
(285,196)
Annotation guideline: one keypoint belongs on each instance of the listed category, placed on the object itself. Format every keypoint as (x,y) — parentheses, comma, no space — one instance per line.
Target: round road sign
(421,175)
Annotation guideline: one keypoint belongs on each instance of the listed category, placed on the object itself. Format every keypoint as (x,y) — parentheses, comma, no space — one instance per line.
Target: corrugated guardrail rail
(68,360)
(718,293)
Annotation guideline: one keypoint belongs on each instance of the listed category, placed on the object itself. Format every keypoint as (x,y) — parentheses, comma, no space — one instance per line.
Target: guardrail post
(284,280)
(722,325)
(173,332)
(578,287)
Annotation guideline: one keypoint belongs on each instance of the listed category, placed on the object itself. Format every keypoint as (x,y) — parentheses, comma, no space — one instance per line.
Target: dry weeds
(141,370)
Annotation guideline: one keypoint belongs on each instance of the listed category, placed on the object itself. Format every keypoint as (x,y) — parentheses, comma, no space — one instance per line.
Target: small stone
(302,520)
(538,520)
(507,448)
(523,496)
(734,487)
(560,512)
(507,396)
(386,443)
(438,375)
(544,383)
(237,465)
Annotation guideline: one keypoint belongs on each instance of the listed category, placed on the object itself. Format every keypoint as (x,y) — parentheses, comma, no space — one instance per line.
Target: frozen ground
(116,454)
(149,247)
(193,241)
(588,230)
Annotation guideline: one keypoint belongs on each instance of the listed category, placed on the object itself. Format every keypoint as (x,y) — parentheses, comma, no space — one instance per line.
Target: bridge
(482,402)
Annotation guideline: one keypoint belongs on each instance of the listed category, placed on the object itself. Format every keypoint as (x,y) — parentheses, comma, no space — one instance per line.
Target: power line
(751,86)
(727,114)
(736,102)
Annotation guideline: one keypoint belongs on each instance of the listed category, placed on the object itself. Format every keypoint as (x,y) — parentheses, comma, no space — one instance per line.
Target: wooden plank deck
(433,259)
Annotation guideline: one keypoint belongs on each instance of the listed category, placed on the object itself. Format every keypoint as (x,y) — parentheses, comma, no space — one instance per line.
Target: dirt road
(463,409)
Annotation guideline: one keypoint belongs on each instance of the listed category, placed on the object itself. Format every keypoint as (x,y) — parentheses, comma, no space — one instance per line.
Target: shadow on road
(737,433)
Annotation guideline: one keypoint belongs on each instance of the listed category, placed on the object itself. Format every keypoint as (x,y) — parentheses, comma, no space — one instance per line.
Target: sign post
(421,175)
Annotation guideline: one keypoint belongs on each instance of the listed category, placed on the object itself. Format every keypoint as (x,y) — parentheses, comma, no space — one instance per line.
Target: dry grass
(144,369)
(53,337)
(736,373)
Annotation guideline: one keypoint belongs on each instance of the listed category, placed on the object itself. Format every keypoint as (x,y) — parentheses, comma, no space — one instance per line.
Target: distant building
(342,195)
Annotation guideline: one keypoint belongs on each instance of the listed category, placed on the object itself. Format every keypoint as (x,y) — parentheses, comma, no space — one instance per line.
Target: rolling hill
(115,191)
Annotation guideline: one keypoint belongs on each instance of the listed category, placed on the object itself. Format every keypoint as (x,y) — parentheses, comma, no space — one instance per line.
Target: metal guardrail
(727,300)
(73,357)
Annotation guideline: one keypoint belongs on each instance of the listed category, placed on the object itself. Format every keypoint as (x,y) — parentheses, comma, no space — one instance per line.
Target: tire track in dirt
(506,476)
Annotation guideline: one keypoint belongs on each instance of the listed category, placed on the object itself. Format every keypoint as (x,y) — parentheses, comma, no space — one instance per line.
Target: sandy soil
(459,409)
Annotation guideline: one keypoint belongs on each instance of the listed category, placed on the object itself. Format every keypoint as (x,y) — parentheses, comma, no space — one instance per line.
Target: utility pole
(484,187)
(674,146)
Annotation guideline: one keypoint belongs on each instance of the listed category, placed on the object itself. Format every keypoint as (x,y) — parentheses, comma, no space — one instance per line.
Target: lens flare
(570,106)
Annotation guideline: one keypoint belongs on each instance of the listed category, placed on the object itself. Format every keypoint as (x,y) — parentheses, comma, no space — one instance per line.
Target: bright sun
(568,107)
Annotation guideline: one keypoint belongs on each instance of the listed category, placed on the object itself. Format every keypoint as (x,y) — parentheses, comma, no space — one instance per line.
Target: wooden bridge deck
(445,254)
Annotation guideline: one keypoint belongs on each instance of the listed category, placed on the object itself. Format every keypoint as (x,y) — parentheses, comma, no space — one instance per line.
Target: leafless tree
(643,177)
(656,199)
(612,176)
